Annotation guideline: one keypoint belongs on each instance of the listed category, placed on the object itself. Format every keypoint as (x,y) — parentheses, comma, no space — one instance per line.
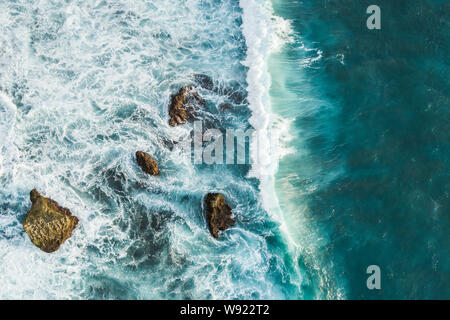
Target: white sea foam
(8,151)
(266,34)
(309,62)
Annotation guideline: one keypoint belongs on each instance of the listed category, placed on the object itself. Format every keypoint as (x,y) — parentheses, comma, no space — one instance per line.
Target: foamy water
(86,84)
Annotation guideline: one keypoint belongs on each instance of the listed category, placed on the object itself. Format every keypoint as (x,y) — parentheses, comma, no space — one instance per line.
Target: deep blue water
(370,123)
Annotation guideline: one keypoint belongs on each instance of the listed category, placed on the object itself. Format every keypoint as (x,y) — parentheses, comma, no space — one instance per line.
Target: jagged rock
(47,224)
(204,81)
(181,108)
(218,213)
(233,90)
(147,163)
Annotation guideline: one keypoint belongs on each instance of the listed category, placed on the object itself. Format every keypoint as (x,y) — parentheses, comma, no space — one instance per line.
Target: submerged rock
(181,108)
(47,224)
(204,81)
(147,163)
(218,213)
(225,106)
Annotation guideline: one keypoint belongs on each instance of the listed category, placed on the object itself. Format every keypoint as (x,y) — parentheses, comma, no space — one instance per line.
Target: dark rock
(181,107)
(47,224)
(147,163)
(225,106)
(237,96)
(218,213)
(204,81)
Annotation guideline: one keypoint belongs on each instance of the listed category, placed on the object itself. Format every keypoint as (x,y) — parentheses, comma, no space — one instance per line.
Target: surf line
(192,310)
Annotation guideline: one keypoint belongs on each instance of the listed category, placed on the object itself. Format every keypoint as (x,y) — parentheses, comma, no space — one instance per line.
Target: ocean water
(368,183)
(352,129)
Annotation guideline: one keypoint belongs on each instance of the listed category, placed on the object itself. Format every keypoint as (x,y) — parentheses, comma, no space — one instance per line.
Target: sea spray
(266,34)
(7,121)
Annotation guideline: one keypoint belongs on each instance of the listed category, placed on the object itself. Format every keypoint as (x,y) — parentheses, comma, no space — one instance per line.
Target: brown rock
(218,213)
(47,224)
(181,108)
(147,163)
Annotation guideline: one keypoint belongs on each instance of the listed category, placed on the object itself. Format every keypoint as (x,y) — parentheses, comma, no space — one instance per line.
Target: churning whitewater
(83,86)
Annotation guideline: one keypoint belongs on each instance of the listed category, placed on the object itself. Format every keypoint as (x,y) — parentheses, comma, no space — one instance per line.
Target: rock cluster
(48,224)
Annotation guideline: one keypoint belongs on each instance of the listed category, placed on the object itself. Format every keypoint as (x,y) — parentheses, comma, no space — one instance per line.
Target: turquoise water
(359,175)
(370,123)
